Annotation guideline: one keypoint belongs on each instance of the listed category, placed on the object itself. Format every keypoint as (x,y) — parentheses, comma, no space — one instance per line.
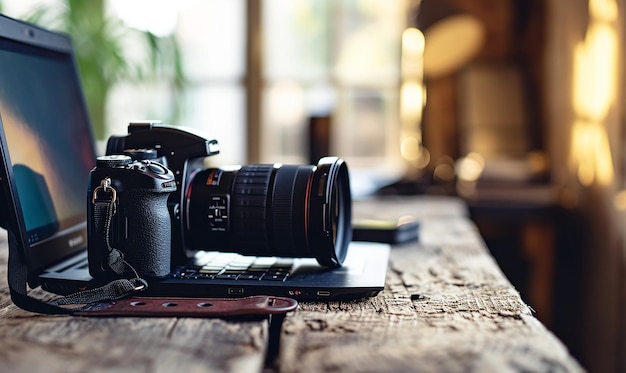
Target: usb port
(323,293)
(235,291)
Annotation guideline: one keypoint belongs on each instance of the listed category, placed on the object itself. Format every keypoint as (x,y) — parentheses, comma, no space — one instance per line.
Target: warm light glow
(595,72)
(412,90)
(451,43)
(414,153)
(470,167)
(410,149)
(412,54)
(594,91)
(413,42)
(411,101)
(591,154)
(605,10)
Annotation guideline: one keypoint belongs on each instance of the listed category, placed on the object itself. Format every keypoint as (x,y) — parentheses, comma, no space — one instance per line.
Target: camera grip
(148,232)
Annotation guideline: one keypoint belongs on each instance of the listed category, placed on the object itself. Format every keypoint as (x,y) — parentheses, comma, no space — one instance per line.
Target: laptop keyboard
(230,266)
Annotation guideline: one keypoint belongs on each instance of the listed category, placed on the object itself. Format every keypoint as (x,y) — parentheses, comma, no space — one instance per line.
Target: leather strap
(190,307)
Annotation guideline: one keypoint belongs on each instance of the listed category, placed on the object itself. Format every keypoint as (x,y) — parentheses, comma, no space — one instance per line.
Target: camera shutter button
(157,169)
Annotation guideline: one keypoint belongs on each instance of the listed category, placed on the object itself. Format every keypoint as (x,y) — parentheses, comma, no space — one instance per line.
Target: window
(211,37)
(322,58)
(337,58)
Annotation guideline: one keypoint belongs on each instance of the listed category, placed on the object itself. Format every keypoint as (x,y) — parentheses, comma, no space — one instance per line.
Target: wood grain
(36,343)
(446,307)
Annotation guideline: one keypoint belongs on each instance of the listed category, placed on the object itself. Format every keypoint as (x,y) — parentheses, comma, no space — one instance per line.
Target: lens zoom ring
(249,207)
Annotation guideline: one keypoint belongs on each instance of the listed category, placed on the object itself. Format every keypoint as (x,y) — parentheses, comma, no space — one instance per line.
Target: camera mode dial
(113,161)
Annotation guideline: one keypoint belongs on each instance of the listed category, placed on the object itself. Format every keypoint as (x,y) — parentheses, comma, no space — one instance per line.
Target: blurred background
(516,106)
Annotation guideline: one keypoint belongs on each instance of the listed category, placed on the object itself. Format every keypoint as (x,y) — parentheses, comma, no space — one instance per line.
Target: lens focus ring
(289,215)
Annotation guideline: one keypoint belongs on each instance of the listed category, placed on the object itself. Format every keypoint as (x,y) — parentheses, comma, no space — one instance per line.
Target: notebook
(47,151)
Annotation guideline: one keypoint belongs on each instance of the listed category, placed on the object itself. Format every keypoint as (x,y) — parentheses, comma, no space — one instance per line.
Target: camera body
(179,149)
(258,209)
(127,210)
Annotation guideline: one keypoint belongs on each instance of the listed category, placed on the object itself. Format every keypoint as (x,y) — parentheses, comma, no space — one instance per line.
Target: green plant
(101,57)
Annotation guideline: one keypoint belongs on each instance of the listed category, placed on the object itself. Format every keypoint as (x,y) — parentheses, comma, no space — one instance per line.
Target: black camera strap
(18,278)
(103,211)
(113,299)
(128,282)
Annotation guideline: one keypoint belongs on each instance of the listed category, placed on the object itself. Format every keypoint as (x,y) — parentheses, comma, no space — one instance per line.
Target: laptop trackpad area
(365,262)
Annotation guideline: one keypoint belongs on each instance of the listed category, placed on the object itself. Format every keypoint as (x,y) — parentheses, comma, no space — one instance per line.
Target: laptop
(47,151)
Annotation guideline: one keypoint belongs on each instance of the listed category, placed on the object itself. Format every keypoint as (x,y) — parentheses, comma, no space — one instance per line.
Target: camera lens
(272,210)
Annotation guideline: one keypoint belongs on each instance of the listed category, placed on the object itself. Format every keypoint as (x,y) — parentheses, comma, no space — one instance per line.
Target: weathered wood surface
(33,343)
(446,307)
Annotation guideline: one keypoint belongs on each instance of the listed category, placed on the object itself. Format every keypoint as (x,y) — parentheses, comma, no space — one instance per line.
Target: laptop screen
(48,137)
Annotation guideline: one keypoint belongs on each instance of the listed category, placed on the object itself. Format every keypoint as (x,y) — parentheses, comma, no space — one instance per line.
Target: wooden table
(446,307)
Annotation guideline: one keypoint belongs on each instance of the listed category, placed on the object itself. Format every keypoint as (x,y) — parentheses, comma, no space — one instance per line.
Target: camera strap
(113,299)
(103,211)
(17,275)
(129,281)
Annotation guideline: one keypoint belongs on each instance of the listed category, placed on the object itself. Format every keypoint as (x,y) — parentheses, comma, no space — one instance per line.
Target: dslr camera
(165,204)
